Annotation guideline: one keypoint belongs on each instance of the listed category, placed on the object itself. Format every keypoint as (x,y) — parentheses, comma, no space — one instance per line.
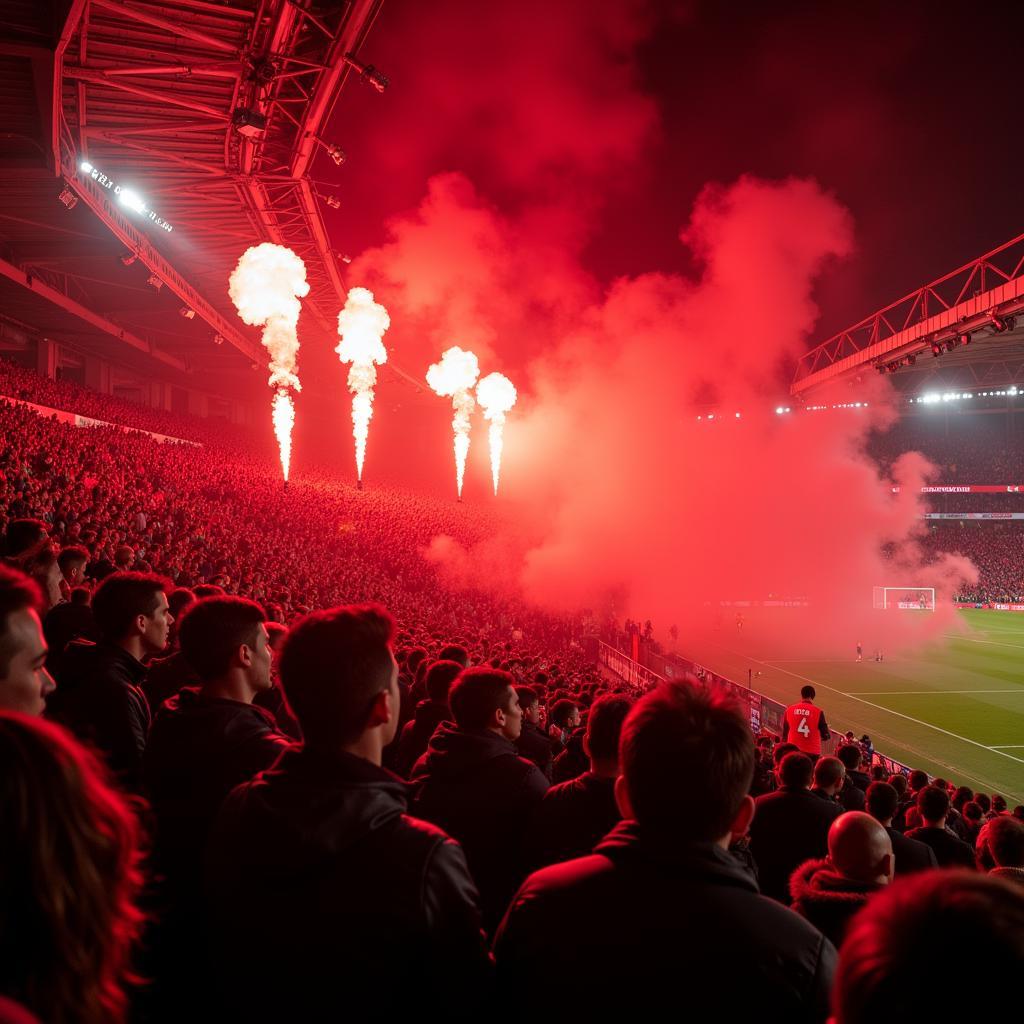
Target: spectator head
(829,773)
(276,632)
(962,795)
(178,600)
(414,658)
(807,693)
(131,607)
(1018,812)
(796,770)
(456,653)
(43,568)
(1006,841)
(883,802)
(972,812)
(124,558)
(933,806)
(24,682)
(565,714)
(879,773)
(439,679)
(24,539)
(918,780)
(81,595)
(207,590)
(69,877)
(983,801)
(860,849)
(851,755)
(340,679)
(998,804)
(781,750)
(893,944)
(72,562)
(484,699)
(224,637)
(529,702)
(898,781)
(604,733)
(687,759)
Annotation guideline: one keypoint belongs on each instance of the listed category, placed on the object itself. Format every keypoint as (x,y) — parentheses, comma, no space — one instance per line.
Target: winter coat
(827,899)
(416,735)
(646,927)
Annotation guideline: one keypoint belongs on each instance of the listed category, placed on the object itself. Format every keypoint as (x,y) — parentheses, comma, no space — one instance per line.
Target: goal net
(907,598)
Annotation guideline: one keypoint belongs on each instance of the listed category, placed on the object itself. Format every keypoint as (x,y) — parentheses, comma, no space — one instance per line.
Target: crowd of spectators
(236,787)
(998,552)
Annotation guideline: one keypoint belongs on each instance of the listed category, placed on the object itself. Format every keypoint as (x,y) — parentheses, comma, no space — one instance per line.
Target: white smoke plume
(454,378)
(362,324)
(265,287)
(496,395)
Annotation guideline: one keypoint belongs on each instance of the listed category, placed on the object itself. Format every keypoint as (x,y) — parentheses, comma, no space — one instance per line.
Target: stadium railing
(764,713)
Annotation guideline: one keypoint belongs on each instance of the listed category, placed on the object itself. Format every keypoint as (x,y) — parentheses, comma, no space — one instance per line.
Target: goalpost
(906,598)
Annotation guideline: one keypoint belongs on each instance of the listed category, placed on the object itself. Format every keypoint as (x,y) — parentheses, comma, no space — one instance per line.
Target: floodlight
(248,122)
(368,73)
(129,258)
(132,200)
(337,154)
(155,281)
(68,198)
(187,312)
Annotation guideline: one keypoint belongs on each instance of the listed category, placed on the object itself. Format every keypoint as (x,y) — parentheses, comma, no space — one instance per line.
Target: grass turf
(955,709)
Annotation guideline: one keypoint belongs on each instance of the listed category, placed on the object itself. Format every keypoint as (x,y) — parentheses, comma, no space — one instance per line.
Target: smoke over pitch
(620,487)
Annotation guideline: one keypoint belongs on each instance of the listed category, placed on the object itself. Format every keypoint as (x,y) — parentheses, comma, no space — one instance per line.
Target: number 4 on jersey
(803,728)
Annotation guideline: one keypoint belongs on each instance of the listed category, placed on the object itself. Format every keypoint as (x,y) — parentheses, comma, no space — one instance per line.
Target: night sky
(906,112)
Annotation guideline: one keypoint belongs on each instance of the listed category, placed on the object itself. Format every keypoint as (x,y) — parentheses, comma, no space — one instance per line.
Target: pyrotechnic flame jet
(362,324)
(266,287)
(496,395)
(454,378)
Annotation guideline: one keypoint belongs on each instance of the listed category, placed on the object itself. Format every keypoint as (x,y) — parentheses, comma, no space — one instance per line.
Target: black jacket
(826,898)
(790,826)
(412,744)
(949,851)
(535,746)
(477,788)
(329,902)
(98,697)
(851,796)
(167,677)
(63,623)
(199,749)
(572,819)
(642,925)
(911,855)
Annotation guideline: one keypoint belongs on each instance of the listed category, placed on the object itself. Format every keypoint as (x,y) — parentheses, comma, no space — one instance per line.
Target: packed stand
(233,788)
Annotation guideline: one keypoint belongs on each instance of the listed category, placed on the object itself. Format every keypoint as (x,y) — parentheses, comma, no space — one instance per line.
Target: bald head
(860,849)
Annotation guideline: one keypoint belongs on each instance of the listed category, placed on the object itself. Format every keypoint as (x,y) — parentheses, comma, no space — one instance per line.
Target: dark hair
(781,750)
(851,755)
(455,652)
(604,726)
(797,770)
(528,696)
(207,590)
(898,781)
(70,555)
(679,734)
(933,803)
(998,803)
(561,711)
(828,771)
(414,657)
(959,917)
(24,538)
(124,595)
(962,795)
(70,877)
(1006,841)
(439,679)
(333,666)
(179,599)
(477,694)
(883,800)
(213,629)
(807,693)
(17,592)
(983,801)
(972,811)
(80,595)
(918,779)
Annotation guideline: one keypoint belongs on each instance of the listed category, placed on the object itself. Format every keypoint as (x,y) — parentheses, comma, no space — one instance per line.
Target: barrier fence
(764,713)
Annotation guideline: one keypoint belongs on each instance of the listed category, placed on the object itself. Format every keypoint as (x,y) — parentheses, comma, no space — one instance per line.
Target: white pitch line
(899,714)
(1008,746)
(906,693)
(974,640)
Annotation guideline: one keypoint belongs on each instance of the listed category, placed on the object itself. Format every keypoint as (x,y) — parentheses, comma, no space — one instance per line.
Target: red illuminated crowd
(237,788)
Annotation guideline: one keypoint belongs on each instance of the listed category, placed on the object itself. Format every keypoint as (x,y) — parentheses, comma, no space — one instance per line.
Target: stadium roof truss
(959,331)
(212,113)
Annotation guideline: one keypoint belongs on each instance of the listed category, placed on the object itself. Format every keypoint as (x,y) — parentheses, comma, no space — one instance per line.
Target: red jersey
(803,727)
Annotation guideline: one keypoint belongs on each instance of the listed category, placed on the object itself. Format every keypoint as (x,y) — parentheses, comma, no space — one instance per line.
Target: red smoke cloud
(617,484)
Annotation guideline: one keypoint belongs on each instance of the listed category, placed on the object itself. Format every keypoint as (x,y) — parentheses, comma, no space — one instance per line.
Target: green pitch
(956,709)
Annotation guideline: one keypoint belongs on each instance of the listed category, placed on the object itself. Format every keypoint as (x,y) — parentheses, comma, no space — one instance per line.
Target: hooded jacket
(199,749)
(98,697)
(826,898)
(416,734)
(476,787)
(644,923)
(328,900)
